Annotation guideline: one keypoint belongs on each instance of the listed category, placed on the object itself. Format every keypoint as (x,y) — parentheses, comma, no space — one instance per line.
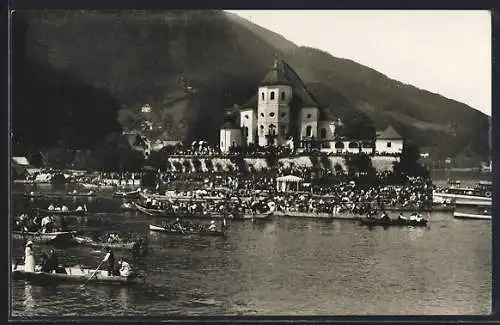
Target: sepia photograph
(249,163)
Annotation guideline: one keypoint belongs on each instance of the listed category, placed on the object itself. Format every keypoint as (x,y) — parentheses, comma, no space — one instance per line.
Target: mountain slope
(123,60)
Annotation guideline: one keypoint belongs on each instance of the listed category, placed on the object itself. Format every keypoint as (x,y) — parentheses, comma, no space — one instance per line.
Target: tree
(409,163)
(359,164)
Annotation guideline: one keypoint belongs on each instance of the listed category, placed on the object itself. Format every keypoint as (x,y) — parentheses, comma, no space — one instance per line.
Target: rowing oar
(93,273)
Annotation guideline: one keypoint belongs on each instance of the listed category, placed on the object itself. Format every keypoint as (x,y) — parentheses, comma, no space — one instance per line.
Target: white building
(230,136)
(389,142)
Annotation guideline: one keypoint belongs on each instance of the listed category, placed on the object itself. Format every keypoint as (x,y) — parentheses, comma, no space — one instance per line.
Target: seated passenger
(212,226)
(124,268)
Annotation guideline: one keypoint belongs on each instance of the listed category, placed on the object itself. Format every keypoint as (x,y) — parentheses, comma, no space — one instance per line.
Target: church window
(262,114)
(339,145)
(272,95)
(262,127)
(389,144)
(308,131)
(246,116)
(353,145)
(309,115)
(282,95)
(323,133)
(245,131)
(262,95)
(271,114)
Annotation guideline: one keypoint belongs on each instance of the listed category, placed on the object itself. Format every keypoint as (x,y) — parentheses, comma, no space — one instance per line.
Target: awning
(289,178)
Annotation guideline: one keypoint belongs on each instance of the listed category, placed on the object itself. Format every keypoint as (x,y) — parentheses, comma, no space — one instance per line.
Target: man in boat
(384,216)
(110,259)
(177,225)
(44,262)
(52,262)
(212,226)
(79,208)
(64,208)
(51,207)
(124,268)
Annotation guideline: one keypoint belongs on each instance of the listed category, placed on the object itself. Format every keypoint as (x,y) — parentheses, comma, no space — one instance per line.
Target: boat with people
(187,232)
(86,241)
(481,193)
(33,195)
(45,238)
(128,194)
(128,206)
(97,185)
(64,211)
(74,274)
(84,194)
(414,220)
(477,213)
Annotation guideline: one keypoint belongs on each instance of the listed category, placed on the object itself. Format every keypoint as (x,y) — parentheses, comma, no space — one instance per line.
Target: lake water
(282,267)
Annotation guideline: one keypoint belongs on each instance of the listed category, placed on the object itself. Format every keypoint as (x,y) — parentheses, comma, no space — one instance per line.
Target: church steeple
(277,74)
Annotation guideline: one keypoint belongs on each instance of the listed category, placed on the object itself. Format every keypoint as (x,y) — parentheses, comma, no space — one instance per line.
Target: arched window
(245,131)
(271,114)
(262,96)
(353,145)
(282,95)
(272,95)
(323,133)
(339,145)
(308,131)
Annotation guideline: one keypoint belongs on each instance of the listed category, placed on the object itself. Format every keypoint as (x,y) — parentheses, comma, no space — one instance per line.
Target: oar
(102,262)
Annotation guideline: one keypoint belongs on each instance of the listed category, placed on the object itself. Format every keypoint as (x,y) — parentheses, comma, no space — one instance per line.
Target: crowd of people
(46,224)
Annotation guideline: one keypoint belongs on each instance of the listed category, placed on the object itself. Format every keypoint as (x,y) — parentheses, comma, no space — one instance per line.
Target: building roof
(276,76)
(283,74)
(389,134)
(20,161)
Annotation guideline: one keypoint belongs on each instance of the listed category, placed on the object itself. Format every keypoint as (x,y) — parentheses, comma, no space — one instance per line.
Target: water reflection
(29,301)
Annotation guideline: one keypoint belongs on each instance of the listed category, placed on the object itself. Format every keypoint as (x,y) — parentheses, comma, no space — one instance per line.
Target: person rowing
(110,258)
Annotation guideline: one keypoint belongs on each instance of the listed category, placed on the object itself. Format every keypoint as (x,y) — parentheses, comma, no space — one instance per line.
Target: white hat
(29,243)
(212,221)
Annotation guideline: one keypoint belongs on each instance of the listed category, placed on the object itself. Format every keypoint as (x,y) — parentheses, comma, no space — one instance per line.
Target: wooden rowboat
(161,229)
(63,213)
(45,238)
(131,194)
(392,222)
(477,216)
(74,274)
(91,243)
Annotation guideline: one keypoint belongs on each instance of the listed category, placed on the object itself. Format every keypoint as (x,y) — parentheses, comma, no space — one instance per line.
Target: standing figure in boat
(29,258)
(110,259)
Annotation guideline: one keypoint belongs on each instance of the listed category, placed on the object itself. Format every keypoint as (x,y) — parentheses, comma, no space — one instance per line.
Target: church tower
(273,106)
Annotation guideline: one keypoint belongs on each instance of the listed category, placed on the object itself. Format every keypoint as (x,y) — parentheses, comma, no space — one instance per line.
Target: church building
(283,112)
(283,109)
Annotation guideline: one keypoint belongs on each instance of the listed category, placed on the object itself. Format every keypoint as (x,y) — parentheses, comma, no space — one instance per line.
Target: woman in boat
(110,259)
(124,267)
(29,258)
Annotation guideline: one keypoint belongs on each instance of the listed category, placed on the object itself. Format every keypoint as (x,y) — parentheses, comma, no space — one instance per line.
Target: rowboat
(173,214)
(463,215)
(161,229)
(88,194)
(74,273)
(130,194)
(392,222)
(45,238)
(92,243)
(298,214)
(94,186)
(63,213)
(32,195)
(148,211)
